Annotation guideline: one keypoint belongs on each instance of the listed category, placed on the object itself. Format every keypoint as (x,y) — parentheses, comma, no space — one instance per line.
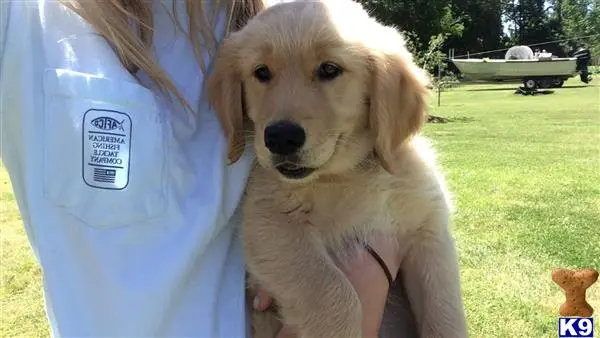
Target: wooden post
(439,84)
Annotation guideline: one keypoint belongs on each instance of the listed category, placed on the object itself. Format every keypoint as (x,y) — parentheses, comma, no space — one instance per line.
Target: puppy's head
(324,85)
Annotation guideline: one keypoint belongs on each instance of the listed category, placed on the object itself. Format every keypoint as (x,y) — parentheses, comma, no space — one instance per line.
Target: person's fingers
(262,300)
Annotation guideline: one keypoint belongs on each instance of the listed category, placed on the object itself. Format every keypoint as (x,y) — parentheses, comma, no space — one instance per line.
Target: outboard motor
(583,56)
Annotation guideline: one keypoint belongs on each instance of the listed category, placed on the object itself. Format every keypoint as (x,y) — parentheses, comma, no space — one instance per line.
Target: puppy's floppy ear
(224,89)
(398,97)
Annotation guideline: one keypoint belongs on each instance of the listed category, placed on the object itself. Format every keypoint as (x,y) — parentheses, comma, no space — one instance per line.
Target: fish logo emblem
(107,123)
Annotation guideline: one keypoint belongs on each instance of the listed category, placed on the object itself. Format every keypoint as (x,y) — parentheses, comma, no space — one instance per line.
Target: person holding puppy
(120,171)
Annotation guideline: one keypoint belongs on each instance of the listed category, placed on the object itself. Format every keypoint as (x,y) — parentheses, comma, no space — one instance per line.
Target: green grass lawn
(21,304)
(525,172)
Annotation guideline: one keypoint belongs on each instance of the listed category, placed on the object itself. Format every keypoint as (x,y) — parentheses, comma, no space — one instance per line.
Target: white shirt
(127,202)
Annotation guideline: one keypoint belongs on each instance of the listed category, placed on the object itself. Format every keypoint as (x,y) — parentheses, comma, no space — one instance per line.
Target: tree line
(432,27)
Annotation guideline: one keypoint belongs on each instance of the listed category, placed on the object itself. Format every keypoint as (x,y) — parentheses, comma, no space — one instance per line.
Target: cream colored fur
(374,174)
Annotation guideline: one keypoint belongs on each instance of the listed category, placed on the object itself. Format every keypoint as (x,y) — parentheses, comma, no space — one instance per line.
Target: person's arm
(371,283)
(3,26)
(369,280)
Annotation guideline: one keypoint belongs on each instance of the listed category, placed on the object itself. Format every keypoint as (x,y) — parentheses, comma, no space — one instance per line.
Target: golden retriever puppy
(333,103)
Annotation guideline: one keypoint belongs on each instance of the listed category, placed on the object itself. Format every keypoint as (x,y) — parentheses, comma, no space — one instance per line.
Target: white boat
(498,70)
(543,71)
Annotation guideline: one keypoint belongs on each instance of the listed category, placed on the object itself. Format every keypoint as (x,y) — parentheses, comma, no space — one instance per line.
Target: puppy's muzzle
(285,140)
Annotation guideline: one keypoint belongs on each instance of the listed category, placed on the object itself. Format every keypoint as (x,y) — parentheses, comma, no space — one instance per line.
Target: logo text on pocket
(106,149)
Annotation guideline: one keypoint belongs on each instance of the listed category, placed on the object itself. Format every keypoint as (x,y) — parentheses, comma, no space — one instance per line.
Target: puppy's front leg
(314,295)
(431,277)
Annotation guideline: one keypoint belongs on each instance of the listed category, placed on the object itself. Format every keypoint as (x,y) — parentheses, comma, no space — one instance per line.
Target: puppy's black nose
(284,137)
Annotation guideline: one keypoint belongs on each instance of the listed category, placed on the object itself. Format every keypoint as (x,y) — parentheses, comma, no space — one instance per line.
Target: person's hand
(367,277)
(262,301)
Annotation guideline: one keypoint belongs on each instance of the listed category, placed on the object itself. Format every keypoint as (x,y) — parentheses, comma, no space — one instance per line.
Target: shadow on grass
(500,89)
(517,85)
(463,119)
(442,119)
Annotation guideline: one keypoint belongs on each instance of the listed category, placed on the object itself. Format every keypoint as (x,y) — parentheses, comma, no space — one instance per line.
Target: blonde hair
(127,25)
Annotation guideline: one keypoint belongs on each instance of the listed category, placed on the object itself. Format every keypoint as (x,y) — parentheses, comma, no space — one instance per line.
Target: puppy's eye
(328,71)
(262,73)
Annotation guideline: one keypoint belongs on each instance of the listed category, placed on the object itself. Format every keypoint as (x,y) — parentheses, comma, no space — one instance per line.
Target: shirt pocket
(104,149)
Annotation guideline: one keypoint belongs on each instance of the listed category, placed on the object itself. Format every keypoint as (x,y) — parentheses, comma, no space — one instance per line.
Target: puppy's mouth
(293,170)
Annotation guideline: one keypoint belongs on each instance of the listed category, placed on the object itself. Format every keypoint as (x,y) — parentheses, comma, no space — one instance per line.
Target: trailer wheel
(545,83)
(530,84)
(558,83)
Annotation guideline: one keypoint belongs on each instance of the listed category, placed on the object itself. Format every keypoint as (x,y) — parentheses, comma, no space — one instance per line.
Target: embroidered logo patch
(106,149)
